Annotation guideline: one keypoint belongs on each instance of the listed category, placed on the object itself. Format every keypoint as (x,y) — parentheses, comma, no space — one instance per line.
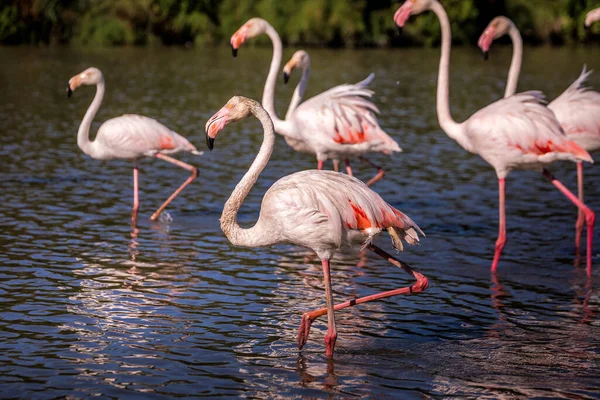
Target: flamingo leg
(336,165)
(380,171)
(320,164)
(590,216)
(421,284)
(348,167)
(501,241)
(183,165)
(581,215)
(331,336)
(136,200)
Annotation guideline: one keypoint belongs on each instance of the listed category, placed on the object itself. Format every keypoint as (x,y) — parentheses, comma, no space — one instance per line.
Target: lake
(91,307)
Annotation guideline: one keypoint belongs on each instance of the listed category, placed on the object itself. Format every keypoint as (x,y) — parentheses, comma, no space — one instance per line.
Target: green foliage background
(300,22)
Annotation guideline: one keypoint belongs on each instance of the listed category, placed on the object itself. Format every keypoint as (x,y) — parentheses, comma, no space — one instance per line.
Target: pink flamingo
(339,123)
(129,137)
(320,210)
(592,17)
(518,132)
(577,108)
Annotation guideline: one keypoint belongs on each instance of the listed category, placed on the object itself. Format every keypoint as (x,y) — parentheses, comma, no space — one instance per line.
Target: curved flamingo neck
(268,99)
(452,129)
(83,134)
(515,64)
(258,235)
(299,91)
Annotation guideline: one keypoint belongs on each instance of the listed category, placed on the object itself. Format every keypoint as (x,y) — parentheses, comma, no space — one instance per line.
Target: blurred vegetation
(300,22)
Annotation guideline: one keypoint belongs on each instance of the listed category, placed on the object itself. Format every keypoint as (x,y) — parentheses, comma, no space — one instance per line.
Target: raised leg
(501,241)
(136,200)
(336,165)
(580,216)
(183,165)
(380,171)
(421,284)
(348,167)
(589,215)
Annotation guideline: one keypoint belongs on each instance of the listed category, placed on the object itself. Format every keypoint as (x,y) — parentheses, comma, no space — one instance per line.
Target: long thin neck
(515,64)
(298,92)
(268,99)
(255,236)
(452,129)
(83,135)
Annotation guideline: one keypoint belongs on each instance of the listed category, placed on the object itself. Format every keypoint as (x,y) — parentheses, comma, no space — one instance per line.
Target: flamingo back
(520,131)
(578,111)
(326,208)
(133,136)
(344,115)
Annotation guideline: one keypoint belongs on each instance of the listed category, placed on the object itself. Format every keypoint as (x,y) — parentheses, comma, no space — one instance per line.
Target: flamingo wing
(578,111)
(521,125)
(338,204)
(346,115)
(136,135)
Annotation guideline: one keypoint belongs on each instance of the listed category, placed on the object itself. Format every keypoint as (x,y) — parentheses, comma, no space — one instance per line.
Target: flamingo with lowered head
(129,137)
(339,123)
(577,108)
(592,16)
(320,210)
(517,132)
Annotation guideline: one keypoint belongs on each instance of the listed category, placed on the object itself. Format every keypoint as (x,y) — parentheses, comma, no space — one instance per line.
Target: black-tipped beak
(399,30)
(286,77)
(233,51)
(485,55)
(69,91)
(210,142)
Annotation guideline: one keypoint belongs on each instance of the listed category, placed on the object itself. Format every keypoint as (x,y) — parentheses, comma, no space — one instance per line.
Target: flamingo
(129,137)
(577,108)
(339,123)
(320,210)
(592,16)
(517,132)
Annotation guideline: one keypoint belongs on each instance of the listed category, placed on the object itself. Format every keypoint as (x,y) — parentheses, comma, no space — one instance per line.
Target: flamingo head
(592,17)
(497,28)
(91,76)
(411,7)
(300,59)
(237,108)
(252,28)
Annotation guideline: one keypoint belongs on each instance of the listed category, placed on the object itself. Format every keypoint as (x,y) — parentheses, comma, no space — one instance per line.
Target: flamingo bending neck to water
(577,108)
(518,132)
(320,210)
(129,137)
(339,123)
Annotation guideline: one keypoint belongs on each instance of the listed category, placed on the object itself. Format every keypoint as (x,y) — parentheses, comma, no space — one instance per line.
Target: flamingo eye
(229,106)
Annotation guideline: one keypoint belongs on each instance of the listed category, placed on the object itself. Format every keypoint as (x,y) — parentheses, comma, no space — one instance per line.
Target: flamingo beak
(69,91)
(210,142)
(216,123)
(234,51)
(403,14)
(485,41)
(286,77)
(237,39)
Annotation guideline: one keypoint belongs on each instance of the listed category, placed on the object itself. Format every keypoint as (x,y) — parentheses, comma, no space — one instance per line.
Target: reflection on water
(89,307)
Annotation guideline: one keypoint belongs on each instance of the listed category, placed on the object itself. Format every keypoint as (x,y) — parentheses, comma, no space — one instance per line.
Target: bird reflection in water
(307,379)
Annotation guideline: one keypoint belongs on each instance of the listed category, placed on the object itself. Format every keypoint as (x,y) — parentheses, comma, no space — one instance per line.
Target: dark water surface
(90,308)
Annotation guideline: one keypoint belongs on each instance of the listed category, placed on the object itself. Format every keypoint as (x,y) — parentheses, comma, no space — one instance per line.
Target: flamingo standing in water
(592,17)
(577,108)
(339,123)
(320,210)
(517,132)
(129,137)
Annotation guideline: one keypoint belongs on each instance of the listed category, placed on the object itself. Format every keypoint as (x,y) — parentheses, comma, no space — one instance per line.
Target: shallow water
(89,307)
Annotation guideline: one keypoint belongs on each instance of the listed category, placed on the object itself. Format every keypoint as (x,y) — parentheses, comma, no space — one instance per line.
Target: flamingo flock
(329,211)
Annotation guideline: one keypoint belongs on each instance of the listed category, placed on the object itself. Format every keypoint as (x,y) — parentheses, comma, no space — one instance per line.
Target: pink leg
(378,176)
(336,165)
(181,164)
(136,200)
(581,216)
(348,167)
(590,217)
(331,336)
(501,241)
(320,164)
(422,284)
